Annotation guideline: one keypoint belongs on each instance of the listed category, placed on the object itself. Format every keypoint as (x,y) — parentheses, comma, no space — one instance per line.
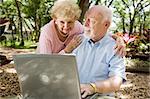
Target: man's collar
(98,42)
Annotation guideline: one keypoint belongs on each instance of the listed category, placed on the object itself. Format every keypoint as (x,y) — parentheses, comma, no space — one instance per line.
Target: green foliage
(144,47)
(37,9)
(7,9)
(136,63)
(27,44)
(30,8)
(132,13)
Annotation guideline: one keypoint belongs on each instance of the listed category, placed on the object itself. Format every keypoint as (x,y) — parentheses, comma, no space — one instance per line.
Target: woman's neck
(62,37)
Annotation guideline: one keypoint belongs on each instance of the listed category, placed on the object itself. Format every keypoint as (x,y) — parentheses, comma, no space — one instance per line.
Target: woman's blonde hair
(65,9)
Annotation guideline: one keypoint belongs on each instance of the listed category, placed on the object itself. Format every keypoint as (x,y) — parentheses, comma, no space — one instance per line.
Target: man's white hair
(103,10)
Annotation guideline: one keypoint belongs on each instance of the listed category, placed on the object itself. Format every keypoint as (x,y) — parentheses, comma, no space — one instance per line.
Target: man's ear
(87,22)
(107,24)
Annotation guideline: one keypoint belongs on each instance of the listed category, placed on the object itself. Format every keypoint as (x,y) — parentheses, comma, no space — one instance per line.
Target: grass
(16,44)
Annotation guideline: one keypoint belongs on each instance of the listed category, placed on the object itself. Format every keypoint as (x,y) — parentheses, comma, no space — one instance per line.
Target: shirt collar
(101,41)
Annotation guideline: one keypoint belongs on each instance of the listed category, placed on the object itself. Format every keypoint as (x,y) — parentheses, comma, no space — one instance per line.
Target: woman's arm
(120,45)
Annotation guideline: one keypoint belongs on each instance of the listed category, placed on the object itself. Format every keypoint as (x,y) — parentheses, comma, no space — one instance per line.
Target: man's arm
(112,84)
(106,86)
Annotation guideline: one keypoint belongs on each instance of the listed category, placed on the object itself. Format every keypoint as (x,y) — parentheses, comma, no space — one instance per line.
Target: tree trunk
(84,5)
(110,3)
(20,22)
(96,3)
(144,23)
(12,33)
(38,27)
(1,1)
(131,25)
(123,23)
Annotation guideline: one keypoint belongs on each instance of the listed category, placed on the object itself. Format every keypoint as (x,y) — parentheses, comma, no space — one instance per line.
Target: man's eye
(70,22)
(62,22)
(93,22)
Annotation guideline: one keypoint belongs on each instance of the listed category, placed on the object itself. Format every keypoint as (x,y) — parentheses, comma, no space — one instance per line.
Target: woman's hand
(74,43)
(120,45)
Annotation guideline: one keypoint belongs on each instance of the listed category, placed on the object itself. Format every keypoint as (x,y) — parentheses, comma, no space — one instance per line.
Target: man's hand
(74,43)
(86,89)
(120,45)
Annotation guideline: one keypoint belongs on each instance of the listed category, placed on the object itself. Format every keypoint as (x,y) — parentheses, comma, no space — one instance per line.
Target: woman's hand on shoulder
(120,45)
(74,43)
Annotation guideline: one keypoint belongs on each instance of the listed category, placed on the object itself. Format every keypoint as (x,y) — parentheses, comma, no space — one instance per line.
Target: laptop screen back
(48,76)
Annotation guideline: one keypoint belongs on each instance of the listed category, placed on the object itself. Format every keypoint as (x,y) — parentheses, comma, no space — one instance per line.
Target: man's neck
(97,39)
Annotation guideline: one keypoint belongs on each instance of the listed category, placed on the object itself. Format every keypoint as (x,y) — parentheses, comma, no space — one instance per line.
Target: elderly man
(100,73)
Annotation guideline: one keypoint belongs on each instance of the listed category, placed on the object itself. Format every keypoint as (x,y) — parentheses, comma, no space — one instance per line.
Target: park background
(21,20)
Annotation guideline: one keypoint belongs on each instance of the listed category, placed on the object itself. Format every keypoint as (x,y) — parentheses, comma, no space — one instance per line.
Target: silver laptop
(45,76)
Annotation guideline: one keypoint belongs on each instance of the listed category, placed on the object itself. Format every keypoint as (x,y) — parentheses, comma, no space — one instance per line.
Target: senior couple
(99,55)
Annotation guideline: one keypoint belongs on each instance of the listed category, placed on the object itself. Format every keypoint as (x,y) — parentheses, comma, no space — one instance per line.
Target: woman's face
(64,25)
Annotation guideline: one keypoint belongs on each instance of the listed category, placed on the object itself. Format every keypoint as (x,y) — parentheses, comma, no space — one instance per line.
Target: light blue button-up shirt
(98,61)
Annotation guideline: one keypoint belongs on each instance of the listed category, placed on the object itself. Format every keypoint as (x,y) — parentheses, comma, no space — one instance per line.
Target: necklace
(62,34)
(62,37)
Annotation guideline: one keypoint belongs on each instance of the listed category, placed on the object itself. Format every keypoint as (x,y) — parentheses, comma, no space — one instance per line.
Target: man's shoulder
(83,43)
(85,39)
(109,40)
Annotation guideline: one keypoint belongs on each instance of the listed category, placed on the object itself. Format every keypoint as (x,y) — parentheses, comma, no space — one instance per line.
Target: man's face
(94,26)
(64,25)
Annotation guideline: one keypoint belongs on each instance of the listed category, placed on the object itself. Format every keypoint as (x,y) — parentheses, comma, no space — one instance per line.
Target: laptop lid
(45,76)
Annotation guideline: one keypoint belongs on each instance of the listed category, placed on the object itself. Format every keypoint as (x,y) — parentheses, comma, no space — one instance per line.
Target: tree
(20,22)
(8,11)
(133,8)
(84,5)
(36,11)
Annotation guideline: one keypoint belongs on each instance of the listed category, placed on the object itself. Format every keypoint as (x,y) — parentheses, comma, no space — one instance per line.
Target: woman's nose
(65,25)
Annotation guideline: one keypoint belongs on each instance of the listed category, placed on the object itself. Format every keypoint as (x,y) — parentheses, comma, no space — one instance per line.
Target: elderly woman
(62,34)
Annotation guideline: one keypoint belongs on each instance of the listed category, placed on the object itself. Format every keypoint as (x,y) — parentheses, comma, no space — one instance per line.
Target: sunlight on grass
(10,70)
(124,96)
(27,44)
(127,85)
(129,63)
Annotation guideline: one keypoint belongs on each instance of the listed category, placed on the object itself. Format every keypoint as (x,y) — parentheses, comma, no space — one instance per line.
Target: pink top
(49,41)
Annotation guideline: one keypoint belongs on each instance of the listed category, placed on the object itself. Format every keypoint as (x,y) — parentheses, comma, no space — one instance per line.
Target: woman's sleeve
(44,46)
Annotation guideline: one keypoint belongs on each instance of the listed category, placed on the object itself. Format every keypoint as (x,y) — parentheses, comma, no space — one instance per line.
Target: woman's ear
(55,21)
